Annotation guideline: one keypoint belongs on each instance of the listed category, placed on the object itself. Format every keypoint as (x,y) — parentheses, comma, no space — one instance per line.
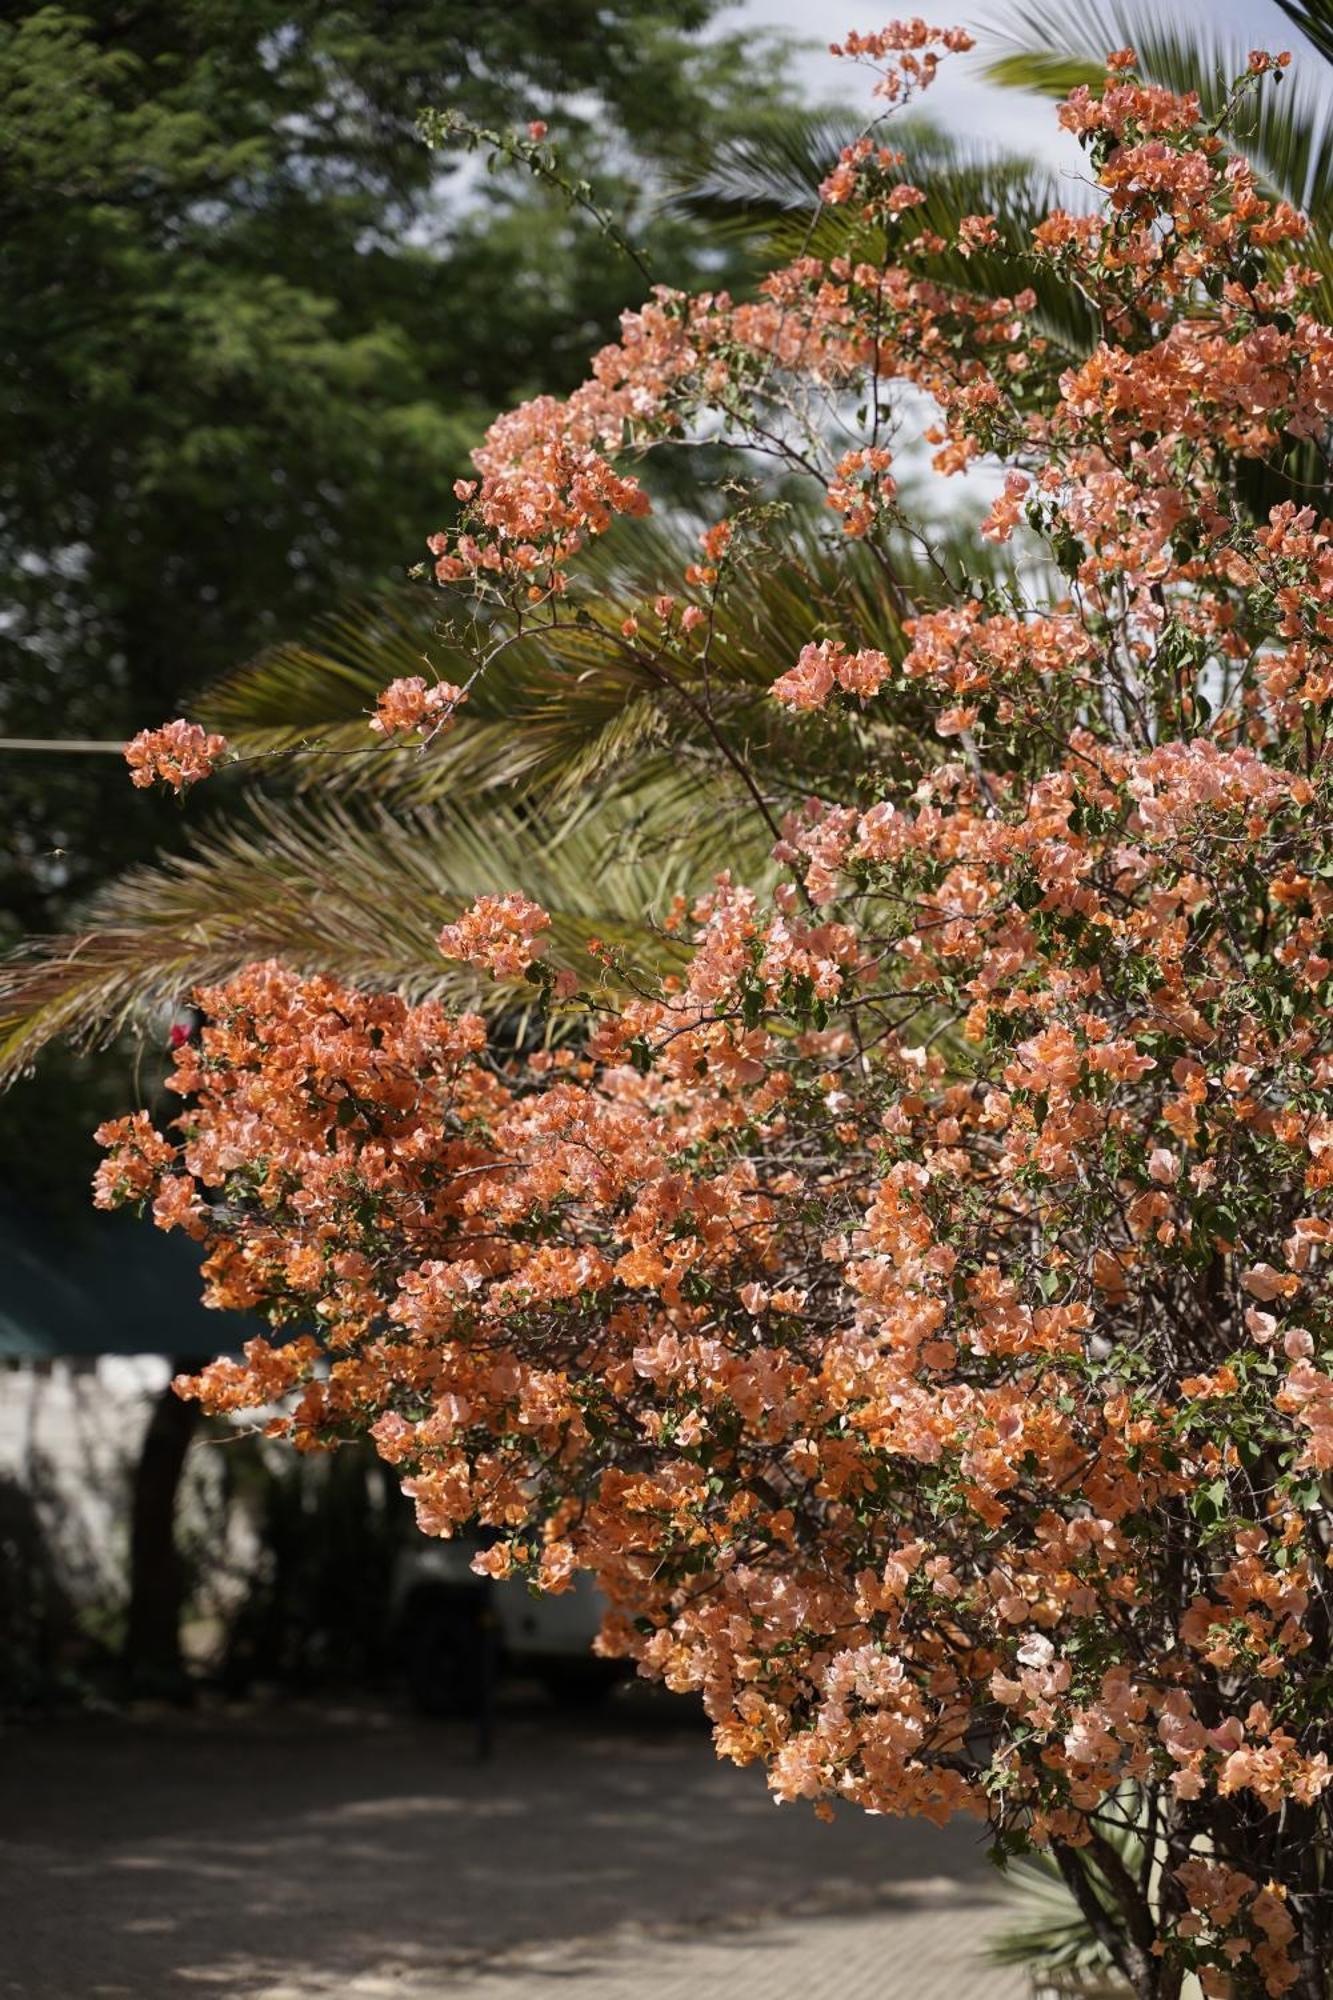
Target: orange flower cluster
(178,754)
(822,668)
(912,1311)
(500,934)
(906,54)
(408,704)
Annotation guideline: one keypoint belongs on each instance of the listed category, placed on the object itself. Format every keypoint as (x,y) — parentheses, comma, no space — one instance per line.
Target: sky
(960,98)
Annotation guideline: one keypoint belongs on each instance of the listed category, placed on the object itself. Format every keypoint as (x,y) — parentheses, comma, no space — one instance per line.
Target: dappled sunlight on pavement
(303,1854)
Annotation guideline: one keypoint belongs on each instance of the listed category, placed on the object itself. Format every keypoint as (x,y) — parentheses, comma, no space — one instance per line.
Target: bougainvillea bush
(911,1309)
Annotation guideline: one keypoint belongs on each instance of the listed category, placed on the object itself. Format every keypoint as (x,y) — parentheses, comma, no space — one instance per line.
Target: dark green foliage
(249,325)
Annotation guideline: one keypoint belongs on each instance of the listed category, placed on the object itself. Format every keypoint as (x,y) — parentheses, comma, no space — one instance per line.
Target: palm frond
(1046,1928)
(1284,131)
(584,705)
(1314,18)
(350,889)
(763,188)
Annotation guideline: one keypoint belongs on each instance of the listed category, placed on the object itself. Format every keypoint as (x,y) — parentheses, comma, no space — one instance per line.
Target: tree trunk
(152,1659)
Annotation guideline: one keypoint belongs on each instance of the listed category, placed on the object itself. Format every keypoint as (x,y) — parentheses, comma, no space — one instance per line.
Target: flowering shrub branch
(913,1312)
(528,150)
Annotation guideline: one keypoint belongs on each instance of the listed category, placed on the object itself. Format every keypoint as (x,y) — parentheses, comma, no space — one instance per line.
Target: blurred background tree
(250,325)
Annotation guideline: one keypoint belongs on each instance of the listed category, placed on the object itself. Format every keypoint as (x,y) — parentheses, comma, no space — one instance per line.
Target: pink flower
(977,232)
(394,1437)
(179,753)
(499,934)
(955,721)
(1007,510)
(809,683)
(904,197)
(1263,1282)
(820,668)
(177,1206)
(409,704)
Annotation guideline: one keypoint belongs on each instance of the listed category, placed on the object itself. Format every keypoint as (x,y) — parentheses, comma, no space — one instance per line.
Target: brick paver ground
(362,1855)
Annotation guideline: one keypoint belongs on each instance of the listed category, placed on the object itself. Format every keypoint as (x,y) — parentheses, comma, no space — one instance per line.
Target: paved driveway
(283,1856)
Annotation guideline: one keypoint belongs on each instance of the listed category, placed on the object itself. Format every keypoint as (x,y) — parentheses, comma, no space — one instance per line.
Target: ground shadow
(228,1854)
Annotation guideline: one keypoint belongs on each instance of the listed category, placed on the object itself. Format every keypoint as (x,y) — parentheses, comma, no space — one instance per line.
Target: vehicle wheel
(445,1649)
(581,1683)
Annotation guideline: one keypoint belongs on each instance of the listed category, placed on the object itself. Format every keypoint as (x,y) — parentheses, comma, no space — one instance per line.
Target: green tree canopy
(249,324)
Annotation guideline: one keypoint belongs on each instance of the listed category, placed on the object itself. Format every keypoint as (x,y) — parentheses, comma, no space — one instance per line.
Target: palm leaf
(583,705)
(1314,18)
(764,188)
(1284,131)
(1046,1929)
(349,889)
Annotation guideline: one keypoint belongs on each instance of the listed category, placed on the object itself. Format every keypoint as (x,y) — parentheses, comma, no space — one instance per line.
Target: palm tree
(602,780)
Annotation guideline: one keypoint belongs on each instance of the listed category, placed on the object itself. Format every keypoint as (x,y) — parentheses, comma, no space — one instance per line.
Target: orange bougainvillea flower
(912,1309)
(178,754)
